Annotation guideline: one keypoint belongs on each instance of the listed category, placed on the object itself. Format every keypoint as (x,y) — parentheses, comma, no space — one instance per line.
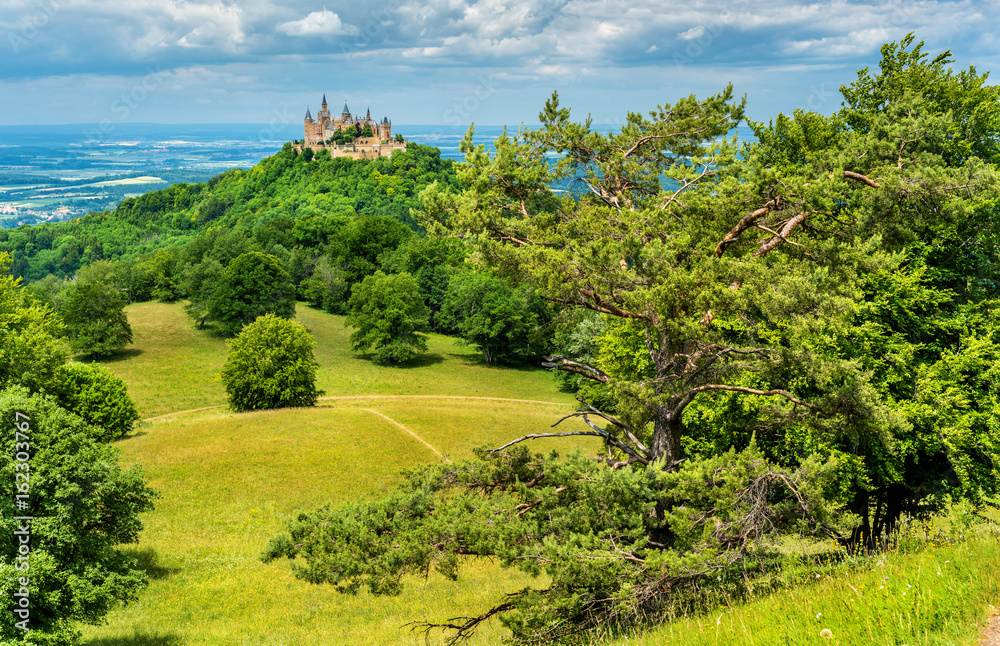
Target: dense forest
(286,185)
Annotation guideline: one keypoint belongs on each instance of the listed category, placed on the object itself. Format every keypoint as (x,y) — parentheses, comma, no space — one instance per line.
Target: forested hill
(283,188)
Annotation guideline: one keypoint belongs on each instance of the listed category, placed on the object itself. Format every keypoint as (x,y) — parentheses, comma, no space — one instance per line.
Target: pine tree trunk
(667,439)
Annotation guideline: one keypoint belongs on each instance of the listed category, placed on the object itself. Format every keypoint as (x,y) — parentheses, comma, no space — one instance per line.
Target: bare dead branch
(745,223)
(598,305)
(694,392)
(768,246)
(861,178)
(535,436)
(464,630)
(559,362)
(628,432)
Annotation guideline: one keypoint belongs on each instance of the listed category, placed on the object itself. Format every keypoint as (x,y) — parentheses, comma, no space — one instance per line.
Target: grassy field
(172,366)
(939,597)
(229,482)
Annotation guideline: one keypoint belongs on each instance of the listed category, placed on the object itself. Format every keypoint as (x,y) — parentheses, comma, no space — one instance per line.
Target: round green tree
(31,347)
(253,284)
(388,312)
(95,319)
(99,397)
(83,505)
(271,365)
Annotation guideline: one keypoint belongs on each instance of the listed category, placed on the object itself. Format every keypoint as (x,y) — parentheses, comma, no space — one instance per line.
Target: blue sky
(449,61)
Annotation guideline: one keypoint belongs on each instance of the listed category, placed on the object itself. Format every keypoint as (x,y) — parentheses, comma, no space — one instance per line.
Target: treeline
(300,227)
(285,185)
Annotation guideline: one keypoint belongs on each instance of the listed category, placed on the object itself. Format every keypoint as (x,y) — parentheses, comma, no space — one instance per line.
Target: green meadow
(229,481)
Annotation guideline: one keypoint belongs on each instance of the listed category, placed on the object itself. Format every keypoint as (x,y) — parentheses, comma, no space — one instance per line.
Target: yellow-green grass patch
(939,597)
(228,484)
(172,366)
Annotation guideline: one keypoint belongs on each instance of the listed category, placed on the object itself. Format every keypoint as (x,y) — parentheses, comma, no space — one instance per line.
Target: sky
(450,61)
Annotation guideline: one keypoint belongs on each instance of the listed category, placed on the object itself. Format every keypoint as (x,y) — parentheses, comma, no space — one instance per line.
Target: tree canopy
(83,505)
(96,324)
(388,315)
(796,336)
(252,285)
(271,365)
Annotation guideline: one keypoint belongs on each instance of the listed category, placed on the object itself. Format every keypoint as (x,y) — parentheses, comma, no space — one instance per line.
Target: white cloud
(692,33)
(318,23)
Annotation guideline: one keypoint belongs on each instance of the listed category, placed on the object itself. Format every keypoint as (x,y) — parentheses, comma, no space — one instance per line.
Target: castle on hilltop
(327,132)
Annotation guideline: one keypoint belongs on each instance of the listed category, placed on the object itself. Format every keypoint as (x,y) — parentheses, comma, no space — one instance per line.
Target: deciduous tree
(388,315)
(271,365)
(83,506)
(95,319)
(253,284)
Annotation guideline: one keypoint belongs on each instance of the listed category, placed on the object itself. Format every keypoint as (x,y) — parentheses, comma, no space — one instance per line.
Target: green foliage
(971,107)
(84,505)
(388,314)
(796,291)
(271,365)
(488,313)
(97,396)
(95,319)
(327,288)
(592,530)
(360,245)
(367,131)
(31,349)
(238,201)
(345,136)
(253,284)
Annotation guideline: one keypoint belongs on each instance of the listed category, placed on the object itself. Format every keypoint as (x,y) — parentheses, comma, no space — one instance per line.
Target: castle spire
(309,116)
(346,111)
(324,101)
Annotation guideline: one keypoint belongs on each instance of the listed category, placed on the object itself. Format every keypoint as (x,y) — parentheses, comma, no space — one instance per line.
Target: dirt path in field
(362,397)
(991,636)
(418,438)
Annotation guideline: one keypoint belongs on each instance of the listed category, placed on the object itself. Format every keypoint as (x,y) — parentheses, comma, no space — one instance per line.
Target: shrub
(271,365)
(99,397)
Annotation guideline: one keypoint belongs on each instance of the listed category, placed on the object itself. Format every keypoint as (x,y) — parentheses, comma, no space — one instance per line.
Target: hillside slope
(284,185)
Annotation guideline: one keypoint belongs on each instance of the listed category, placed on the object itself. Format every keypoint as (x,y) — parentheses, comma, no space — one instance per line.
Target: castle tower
(346,115)
(313,130)
(324,114)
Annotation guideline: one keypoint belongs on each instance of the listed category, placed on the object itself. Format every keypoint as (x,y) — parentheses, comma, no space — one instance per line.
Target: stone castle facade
(319,131)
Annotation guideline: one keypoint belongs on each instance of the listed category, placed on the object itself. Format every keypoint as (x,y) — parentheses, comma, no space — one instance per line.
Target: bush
(271,365)
(99,397)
